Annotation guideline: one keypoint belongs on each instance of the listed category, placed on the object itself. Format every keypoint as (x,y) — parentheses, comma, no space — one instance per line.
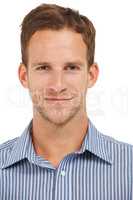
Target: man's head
(57,61)
(54,17)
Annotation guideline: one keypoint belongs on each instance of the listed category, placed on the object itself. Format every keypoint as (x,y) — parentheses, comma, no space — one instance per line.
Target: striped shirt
(101,170)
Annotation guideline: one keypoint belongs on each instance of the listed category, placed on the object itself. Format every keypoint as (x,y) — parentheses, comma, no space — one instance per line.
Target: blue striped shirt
(101,170)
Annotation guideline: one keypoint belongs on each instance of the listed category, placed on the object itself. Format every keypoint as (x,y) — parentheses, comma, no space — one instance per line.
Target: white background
(109,102)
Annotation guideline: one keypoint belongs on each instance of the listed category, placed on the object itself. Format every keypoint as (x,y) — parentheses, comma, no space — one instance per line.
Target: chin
(60,116)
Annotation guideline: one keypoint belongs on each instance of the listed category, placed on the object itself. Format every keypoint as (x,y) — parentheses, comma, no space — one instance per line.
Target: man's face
(57,75)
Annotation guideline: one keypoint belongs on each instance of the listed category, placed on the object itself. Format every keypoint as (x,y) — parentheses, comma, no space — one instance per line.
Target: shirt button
(63,173)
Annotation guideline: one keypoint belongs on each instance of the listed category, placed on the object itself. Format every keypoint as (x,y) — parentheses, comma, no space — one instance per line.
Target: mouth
(57,99)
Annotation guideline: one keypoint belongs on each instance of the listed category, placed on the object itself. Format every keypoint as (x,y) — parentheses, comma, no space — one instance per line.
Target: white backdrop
(109,102)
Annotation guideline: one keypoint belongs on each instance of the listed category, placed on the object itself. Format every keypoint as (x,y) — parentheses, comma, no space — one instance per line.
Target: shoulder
(106,142)
(8,144)
(6,147)
(117,148)
(114,141)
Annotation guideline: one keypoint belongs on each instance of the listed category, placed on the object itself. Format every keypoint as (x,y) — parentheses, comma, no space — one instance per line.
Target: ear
(23,75)
(93,73)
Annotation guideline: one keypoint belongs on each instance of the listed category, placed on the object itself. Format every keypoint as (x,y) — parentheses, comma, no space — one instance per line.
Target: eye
(43,67)
(72,67)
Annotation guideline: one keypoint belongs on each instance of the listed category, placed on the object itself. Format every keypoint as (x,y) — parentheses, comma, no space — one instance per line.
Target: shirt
(101,170)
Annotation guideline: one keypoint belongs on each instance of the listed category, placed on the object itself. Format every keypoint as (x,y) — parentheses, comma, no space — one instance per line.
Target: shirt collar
(98,144)
(94,142)
(22,148)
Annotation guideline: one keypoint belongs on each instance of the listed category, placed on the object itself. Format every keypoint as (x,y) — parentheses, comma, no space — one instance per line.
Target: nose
(57,83)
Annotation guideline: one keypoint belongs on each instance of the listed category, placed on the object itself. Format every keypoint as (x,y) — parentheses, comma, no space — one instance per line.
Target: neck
(51,141)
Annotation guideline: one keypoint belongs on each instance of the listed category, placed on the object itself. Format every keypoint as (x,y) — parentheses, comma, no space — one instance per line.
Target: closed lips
(57,99)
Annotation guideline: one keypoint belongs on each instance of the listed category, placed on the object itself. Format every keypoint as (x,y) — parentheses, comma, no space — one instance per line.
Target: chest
(70,181)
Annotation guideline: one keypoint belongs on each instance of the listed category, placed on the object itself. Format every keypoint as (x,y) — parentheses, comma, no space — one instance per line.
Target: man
(61,155)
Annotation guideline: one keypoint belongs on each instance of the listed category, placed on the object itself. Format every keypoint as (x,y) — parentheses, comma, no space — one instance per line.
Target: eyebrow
(65,64)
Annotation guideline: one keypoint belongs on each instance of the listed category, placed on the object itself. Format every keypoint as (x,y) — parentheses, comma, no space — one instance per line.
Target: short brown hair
(51,16)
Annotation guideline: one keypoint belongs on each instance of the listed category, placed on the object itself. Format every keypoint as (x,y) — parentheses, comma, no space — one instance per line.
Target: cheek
(36,90)
(82,83)
(36,82)
(82,87)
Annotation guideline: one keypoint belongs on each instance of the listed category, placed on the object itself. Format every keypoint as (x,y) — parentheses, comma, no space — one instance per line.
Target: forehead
(61,44)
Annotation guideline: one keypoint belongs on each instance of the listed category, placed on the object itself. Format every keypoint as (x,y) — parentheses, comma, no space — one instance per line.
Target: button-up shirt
(101,170)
